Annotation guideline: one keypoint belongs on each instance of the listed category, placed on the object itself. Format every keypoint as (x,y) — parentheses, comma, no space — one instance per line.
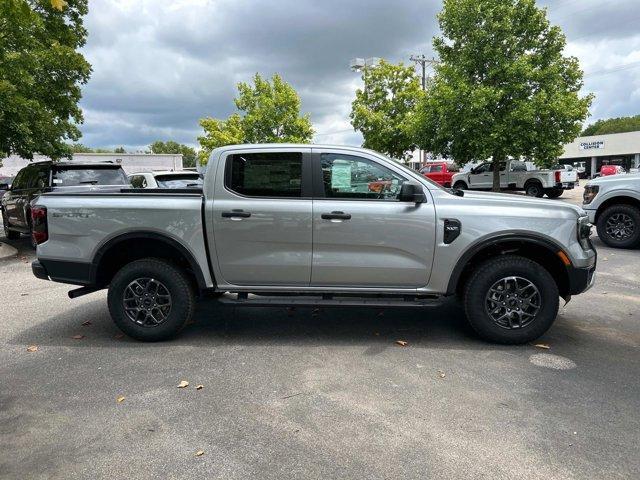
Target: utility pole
(423,61)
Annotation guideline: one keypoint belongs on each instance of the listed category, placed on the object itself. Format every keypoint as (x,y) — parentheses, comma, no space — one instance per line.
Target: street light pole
(423,61)
(361,65)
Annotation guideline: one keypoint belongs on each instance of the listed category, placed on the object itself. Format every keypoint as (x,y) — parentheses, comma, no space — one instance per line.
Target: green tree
(382,109)
(41,72)
(270,113)
(613,125)
(119,150)
(80,148)
(170,146)
(503,87)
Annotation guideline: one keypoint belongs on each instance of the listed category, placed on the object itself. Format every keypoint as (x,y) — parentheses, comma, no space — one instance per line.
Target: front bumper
(581,279)
(591,214)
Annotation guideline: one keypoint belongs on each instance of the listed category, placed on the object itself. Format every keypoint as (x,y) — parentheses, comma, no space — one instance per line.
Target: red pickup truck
(440,172)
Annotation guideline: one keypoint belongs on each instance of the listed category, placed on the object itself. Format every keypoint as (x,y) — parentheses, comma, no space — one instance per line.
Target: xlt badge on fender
(452,229)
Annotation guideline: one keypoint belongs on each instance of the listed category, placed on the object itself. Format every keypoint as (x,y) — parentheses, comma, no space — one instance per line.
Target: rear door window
(72,176)
(277,174)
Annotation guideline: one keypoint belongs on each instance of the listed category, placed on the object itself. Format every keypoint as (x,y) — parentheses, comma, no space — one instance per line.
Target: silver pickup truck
(315,225)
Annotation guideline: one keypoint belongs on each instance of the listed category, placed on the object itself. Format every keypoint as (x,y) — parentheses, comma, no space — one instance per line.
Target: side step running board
(327,301)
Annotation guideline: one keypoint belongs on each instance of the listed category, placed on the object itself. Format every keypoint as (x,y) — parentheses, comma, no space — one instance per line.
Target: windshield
(72,176)
(189,180)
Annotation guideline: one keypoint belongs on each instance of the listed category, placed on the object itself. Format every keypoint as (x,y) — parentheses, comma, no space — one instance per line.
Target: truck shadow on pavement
(214,324)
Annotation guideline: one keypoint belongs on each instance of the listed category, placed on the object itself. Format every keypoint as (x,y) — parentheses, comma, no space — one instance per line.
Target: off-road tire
(10,234)
(491,271)
(534,189)
(460,185)
(628,210)
(171,277)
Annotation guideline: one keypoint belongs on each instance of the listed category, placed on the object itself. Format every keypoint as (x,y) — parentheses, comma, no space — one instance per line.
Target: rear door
(262,217)
(362,235)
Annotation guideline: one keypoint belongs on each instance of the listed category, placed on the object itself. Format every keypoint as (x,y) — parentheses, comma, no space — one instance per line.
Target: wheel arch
(617,200)
(537,248)
(131,246)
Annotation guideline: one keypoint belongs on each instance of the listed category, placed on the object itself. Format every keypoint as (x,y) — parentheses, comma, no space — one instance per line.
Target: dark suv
(42,177)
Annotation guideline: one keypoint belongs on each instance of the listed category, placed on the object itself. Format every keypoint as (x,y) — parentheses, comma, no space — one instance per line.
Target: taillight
(557,176)
(39,229)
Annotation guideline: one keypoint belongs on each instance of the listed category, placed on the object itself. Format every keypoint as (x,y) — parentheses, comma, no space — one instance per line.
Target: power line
(615,68)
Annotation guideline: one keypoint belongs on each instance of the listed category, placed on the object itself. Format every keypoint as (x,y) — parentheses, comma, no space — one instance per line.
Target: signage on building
(593,145)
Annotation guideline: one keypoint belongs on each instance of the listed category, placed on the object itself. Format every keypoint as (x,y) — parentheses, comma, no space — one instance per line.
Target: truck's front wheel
(150,300)
(511,299)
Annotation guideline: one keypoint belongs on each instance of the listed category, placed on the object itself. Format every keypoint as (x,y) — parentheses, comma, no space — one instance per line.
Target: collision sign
(594,145)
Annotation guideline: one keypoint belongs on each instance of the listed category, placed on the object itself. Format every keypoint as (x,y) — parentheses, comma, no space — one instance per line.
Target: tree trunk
(497,159)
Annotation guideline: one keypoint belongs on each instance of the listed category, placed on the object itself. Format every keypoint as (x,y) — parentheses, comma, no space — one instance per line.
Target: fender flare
(146,235)
(480,245)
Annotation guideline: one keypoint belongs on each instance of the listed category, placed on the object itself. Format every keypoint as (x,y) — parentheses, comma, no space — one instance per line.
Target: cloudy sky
(160,65)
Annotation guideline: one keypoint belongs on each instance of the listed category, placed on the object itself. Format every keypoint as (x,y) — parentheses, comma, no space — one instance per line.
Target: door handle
(236,214)
(336,216)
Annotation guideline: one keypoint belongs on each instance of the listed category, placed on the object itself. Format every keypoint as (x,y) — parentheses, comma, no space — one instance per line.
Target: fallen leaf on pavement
(118,336)
(183,384)
(32,348)
(199,387)
(199,453)
(88,322)
(441,374)
(542,345)
(24,294)
(120,399)
(78,337)
(402,343)
(605,259)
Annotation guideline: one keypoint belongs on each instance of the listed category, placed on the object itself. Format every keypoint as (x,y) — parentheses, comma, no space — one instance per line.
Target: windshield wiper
(91,182)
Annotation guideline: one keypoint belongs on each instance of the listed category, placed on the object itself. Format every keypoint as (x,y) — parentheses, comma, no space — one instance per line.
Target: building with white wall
(131,162)
(612,149)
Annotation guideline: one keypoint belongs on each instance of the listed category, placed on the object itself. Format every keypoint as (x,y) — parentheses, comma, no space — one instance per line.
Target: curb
(7,251)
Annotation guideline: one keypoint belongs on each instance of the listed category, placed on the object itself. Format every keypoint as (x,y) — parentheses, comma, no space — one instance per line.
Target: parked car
(5,184)
(613,205)
(516,175)
(607,170)
(440,172)
(282,224)
(166,179)
(42,177)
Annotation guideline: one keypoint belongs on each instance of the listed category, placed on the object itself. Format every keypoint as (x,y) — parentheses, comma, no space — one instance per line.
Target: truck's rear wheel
(10,234)
(554,192)
(534,189)
(619,226)
(150,300)
(511,299)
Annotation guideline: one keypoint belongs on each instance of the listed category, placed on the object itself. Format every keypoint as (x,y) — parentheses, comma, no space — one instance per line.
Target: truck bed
(86,221)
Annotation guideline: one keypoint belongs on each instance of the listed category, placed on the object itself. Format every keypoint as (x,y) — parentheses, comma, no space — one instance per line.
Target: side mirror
(412,192)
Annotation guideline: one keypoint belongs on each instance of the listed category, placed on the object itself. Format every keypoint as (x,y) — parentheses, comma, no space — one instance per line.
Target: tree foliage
(382,109)
(613,125)
(170,146)
(503,87)
(269,113)
(41,72)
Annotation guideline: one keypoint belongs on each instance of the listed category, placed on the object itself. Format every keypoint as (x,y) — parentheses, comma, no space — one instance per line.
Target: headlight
(590,192)
(584,232)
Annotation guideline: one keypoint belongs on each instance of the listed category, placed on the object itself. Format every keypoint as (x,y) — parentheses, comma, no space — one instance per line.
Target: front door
(362,235)
(262,217)
(481,176)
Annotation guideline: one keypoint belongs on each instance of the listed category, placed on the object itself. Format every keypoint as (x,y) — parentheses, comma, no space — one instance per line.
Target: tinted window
(265,174)
(18,182)
(68,176)
(436,168)
(178,181)
(349,176)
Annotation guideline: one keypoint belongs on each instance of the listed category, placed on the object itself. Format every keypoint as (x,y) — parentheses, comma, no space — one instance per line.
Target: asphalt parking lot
(318,393)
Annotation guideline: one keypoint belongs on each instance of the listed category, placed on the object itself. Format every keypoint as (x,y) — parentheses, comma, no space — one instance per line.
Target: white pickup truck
(518,175)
